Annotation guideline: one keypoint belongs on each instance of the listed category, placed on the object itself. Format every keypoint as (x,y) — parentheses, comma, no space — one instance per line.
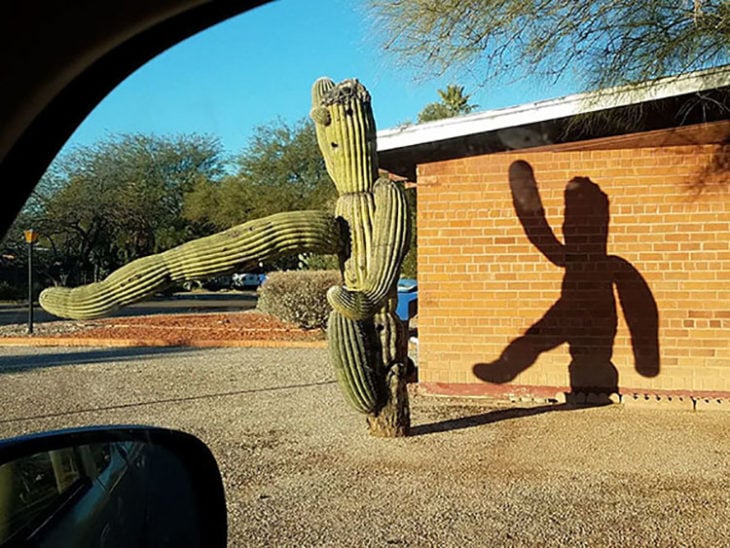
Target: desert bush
(299,297)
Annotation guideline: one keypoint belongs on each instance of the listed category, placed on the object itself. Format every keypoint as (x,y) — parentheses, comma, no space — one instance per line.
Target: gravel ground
(300,469)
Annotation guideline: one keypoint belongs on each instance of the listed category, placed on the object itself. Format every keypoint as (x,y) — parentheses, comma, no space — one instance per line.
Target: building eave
(542,123)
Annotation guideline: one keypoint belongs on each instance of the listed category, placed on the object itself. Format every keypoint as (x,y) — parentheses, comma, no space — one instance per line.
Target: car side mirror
(110,486)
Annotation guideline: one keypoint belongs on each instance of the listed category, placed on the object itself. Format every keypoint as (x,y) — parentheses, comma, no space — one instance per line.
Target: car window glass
(100,455)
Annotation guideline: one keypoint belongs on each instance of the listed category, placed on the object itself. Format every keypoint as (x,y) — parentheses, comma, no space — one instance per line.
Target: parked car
(218,283)
(407,299)
(248,280)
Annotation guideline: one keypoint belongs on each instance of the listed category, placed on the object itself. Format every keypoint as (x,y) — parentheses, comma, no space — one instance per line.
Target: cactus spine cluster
(369,231)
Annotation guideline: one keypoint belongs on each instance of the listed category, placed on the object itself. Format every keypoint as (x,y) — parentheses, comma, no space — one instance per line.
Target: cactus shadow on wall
(585,315)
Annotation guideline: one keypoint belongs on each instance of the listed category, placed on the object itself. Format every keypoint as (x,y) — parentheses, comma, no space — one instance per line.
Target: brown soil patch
(172,329)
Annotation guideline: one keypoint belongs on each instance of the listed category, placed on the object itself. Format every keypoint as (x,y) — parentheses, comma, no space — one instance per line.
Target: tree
(281,169)
(453,103)
(219,205)
(102,205)
(602,43)
(284,167)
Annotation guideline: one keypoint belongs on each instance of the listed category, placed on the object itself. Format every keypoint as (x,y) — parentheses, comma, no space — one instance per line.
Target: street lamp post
(31,236)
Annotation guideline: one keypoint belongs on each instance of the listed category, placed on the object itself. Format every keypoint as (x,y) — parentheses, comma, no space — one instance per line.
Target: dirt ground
(169,330)
(300,469)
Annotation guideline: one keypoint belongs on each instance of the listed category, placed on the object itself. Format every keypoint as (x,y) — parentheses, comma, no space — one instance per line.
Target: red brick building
(616,282)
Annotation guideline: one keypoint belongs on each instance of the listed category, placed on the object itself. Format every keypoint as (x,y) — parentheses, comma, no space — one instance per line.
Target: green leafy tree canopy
(281,169)
(102,205)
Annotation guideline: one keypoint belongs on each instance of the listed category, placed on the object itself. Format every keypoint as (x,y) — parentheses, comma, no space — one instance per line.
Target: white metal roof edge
(552,109)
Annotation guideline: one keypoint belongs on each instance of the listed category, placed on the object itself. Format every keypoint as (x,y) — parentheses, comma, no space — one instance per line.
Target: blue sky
(259,66)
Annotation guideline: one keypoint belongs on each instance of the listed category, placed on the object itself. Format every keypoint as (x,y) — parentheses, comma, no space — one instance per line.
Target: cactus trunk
(393,419)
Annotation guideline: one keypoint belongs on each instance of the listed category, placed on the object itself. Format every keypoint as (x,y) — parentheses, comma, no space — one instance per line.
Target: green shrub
(299,297)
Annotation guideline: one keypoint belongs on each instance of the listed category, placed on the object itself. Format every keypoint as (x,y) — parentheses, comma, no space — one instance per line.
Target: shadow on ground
(493,416)
(24,362)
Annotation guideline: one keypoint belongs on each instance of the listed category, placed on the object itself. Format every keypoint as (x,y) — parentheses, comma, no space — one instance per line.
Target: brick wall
(483,284)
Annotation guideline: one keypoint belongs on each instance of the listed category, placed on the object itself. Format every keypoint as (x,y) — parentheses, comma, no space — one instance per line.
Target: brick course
(482,283)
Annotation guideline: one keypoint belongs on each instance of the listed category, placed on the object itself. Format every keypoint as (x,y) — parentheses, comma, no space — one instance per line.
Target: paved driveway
(300,469)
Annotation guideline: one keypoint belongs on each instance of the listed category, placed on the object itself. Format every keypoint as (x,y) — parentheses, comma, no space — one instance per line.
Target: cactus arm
(131,283)
(239,247)
(391,239)
(352,345)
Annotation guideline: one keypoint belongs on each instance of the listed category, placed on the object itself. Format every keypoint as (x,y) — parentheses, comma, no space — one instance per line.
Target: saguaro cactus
(370,232)
(368,343)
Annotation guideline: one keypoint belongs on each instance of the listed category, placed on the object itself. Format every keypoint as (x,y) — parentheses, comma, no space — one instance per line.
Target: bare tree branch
(603,44)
